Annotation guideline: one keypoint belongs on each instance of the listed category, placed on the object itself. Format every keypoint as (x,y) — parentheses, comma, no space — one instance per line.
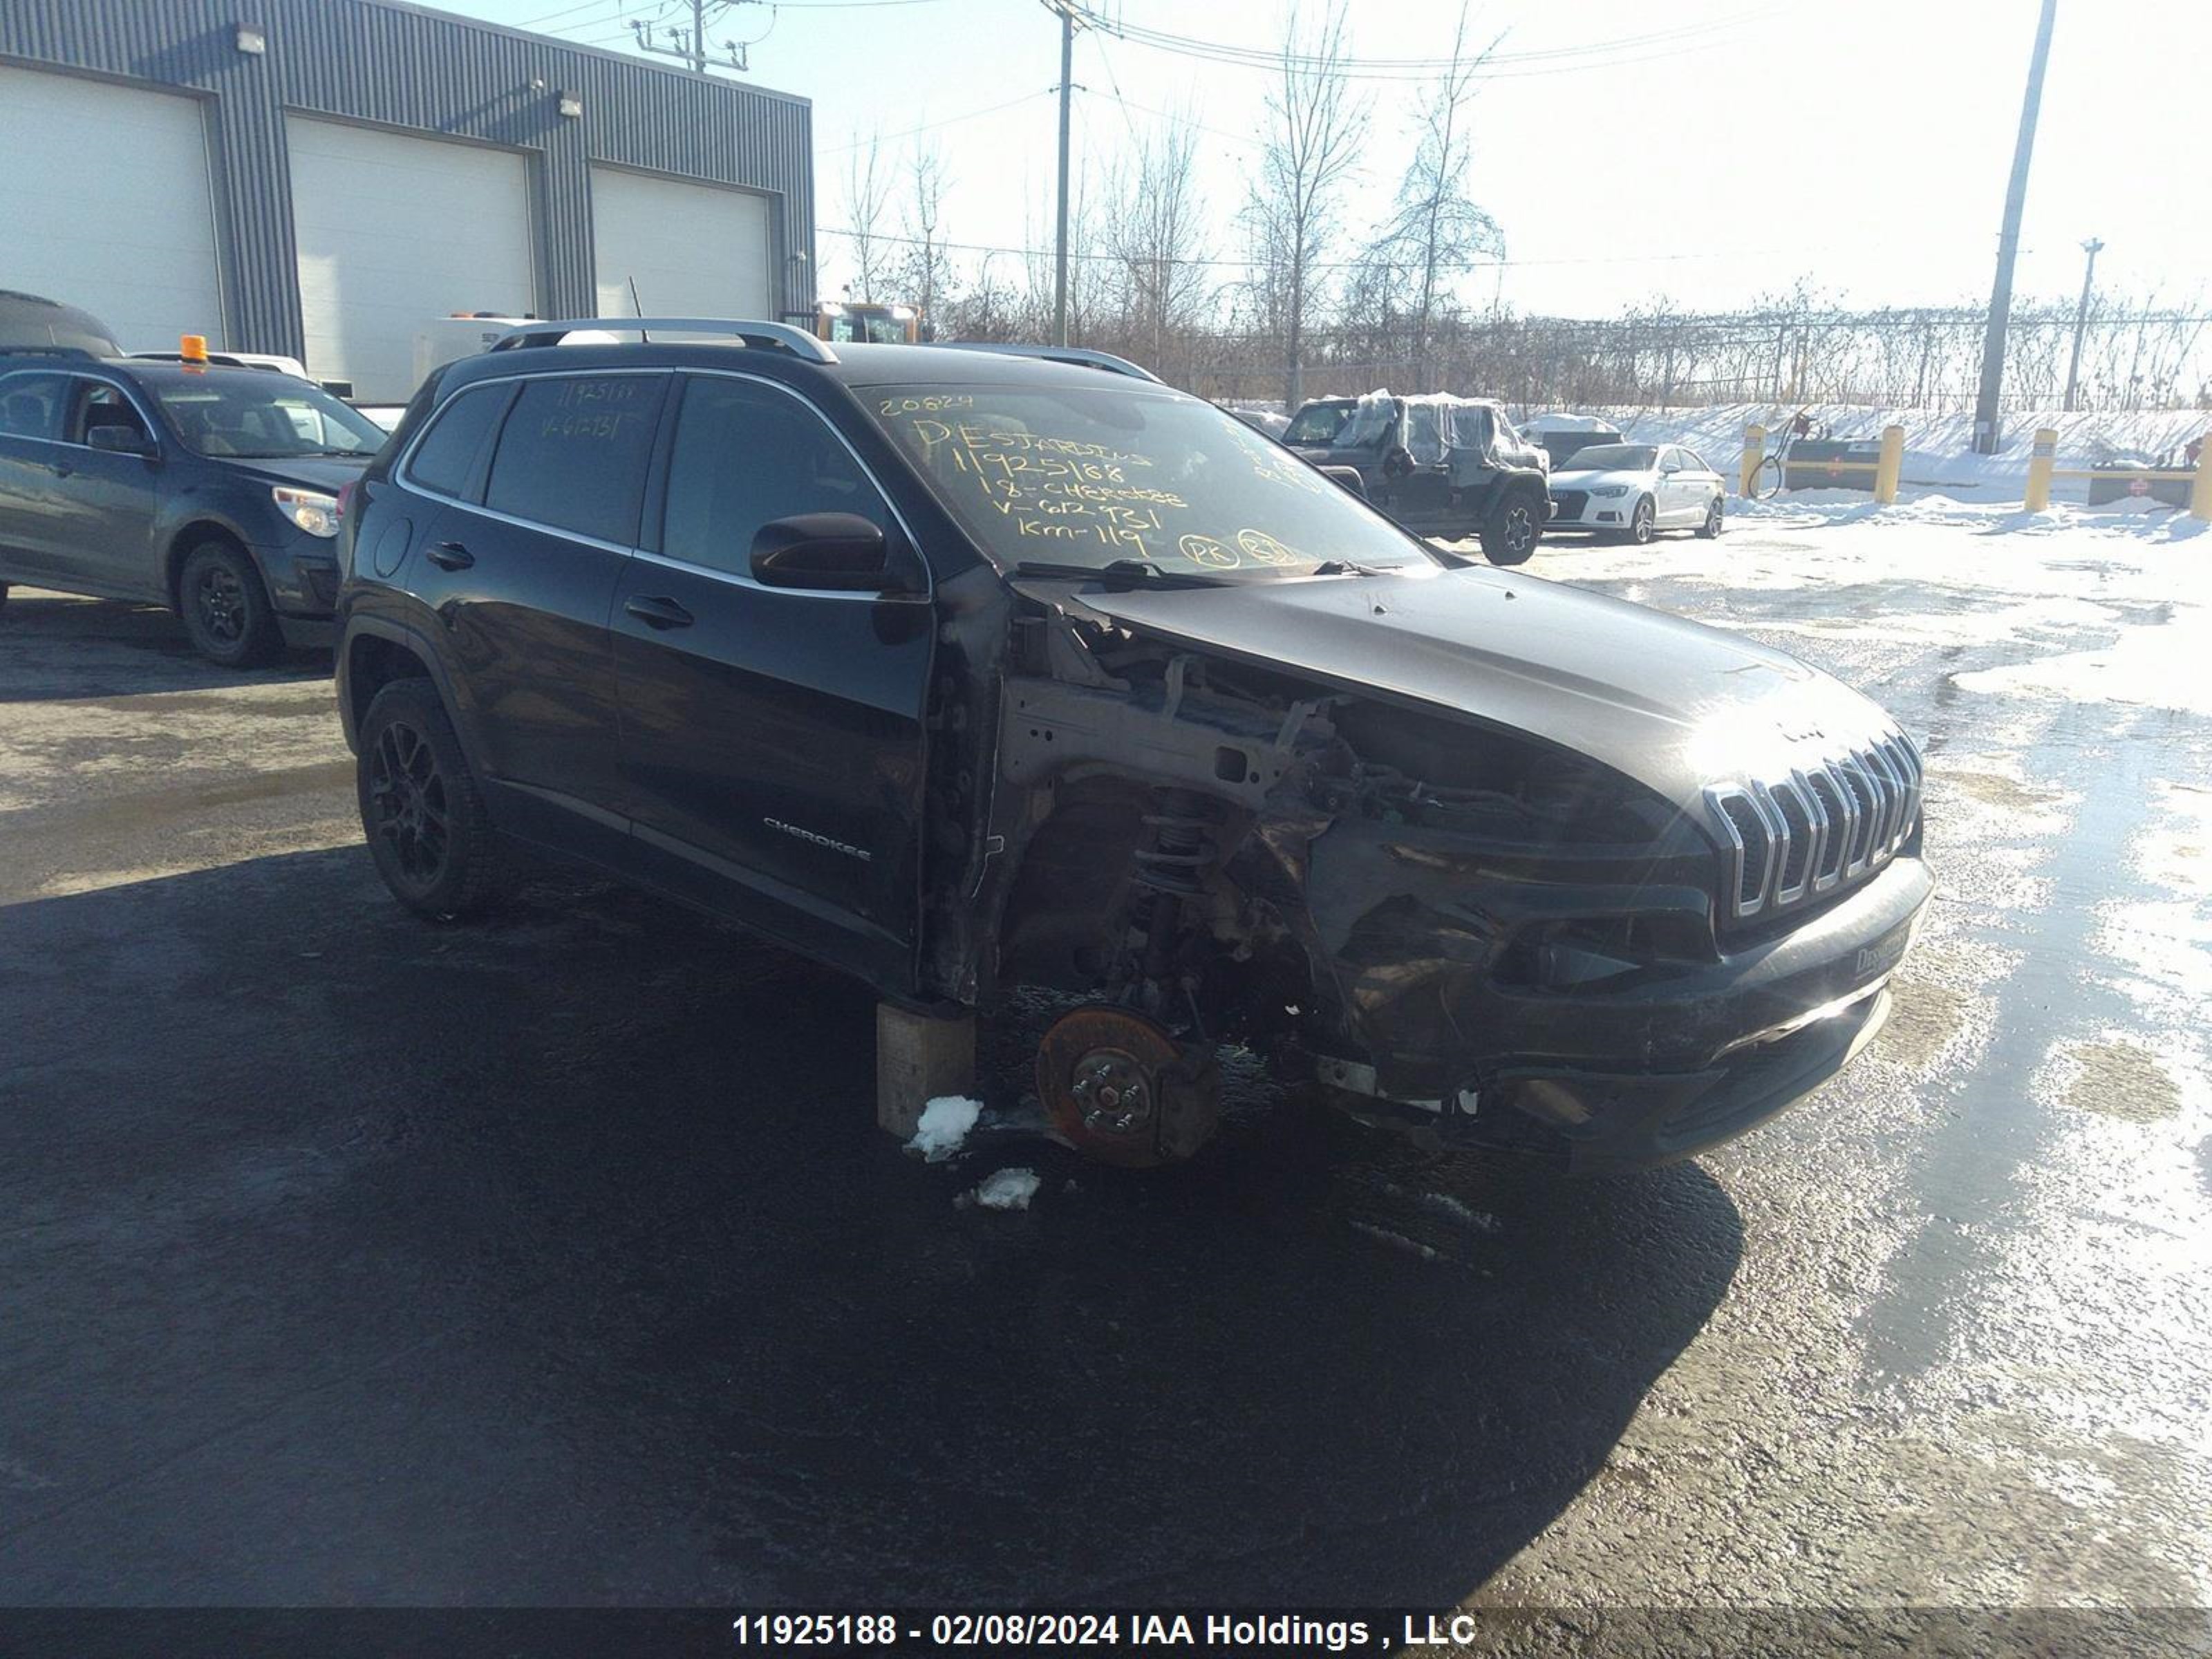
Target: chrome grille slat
(1815,828)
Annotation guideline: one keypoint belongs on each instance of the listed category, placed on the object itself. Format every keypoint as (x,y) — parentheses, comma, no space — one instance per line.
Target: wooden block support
(917,1059)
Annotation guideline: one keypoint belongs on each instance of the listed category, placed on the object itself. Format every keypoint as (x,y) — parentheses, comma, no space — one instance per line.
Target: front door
(521,570)
(772,737)
(105,501)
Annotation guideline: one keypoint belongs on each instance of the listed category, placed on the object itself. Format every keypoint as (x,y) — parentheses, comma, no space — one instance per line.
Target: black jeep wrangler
(968,670)
(1442,466)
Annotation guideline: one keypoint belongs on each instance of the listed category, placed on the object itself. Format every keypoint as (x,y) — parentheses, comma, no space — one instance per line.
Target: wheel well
(180,547)
(372,663)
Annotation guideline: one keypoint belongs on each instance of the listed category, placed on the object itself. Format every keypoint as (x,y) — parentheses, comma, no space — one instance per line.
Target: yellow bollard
(2040,460)
(2200,493)
(1891,463)
(1754,452)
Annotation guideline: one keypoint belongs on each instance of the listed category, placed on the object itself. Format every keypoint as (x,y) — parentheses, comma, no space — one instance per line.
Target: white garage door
(105,203)
(394,231)
(693,250)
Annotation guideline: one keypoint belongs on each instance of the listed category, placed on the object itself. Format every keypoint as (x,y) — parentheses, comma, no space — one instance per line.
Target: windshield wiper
(1347,567)
(1118,573)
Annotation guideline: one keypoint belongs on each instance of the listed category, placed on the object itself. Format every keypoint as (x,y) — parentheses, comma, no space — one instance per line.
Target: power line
(931,126)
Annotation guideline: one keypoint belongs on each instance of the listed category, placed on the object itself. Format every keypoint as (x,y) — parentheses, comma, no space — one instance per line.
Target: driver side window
(96,404)
(746,455)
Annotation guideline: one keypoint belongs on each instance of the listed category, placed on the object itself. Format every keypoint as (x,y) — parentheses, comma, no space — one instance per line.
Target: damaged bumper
(1655,1063)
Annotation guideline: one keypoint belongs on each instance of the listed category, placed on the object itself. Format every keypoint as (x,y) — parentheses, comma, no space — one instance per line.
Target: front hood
(329,474)
(1672,704)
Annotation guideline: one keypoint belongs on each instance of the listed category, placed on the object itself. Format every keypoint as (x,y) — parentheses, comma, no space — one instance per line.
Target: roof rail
(1082,356)
(766,336)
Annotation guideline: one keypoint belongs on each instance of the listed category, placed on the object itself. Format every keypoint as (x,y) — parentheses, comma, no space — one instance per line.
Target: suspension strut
(1172,868)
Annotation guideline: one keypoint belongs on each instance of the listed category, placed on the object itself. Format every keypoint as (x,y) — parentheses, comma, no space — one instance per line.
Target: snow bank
(1939,444)
(943,1126)
(1006,1189)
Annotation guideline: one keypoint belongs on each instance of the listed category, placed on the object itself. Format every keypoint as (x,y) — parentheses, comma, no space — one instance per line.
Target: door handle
(62,470)
(657,613)
(450,556)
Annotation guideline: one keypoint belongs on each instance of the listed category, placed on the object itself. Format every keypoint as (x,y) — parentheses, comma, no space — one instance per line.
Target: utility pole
(693,50)
(1993,345)
(2092,247)
(1066,9)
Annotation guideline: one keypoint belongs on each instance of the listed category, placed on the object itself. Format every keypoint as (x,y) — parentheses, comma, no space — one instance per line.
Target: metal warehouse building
(318,178)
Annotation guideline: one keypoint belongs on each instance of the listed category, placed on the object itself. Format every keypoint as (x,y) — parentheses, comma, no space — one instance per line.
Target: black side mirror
(120,440)
(1347,477)
(840,552)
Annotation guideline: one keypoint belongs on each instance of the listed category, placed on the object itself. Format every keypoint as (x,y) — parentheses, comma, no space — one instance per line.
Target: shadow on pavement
(61,647)
(354,1260)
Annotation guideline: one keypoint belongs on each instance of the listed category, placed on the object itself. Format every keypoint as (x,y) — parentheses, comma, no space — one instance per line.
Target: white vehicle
(1636,491)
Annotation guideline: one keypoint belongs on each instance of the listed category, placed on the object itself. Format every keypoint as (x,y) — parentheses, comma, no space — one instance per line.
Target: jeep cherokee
(966,670)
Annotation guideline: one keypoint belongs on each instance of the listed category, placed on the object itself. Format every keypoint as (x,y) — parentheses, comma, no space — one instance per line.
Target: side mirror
(840,552)
(120,440)
(1347,477)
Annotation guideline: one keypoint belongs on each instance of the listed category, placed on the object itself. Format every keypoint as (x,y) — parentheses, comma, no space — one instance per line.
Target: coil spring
(1182,848)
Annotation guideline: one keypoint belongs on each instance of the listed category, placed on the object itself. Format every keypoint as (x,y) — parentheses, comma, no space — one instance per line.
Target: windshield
(258,416)
(1317,424)
(1126,472)
(1616,457)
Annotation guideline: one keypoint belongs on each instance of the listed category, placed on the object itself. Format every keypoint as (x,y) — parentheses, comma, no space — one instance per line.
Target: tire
(226,609)
(1511,532)
(1710,529)
(1643,522)
(421,810)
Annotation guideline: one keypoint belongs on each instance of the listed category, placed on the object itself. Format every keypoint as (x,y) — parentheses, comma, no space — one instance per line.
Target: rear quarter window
(573,451)
(447,453)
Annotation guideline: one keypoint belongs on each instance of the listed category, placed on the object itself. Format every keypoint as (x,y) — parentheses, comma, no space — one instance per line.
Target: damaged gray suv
(970,670)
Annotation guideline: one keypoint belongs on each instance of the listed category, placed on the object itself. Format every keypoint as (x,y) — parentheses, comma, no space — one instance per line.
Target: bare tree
(1152,232)
(867,194)
(1312,145)
(1439,233)
(927,266)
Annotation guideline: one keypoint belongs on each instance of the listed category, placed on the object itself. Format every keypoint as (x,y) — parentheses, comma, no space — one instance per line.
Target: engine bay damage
(1375,897)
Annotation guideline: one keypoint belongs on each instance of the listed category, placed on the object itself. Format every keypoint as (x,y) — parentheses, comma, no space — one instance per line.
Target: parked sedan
(1636,491)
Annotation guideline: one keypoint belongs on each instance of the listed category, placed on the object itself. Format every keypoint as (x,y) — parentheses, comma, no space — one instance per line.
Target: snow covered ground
(1939,451)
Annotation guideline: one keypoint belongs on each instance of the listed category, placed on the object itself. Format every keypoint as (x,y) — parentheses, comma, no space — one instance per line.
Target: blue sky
(1862,144)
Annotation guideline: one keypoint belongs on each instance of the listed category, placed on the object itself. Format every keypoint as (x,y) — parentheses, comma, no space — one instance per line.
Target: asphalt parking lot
(347,1259)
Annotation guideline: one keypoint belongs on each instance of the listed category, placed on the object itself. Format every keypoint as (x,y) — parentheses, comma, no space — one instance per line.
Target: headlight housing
(313,511)
(1609,490)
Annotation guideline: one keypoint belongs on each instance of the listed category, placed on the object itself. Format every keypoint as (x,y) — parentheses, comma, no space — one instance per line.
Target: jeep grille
(1797,837)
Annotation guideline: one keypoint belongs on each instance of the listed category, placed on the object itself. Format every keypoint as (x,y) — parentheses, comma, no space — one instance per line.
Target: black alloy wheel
(421,810)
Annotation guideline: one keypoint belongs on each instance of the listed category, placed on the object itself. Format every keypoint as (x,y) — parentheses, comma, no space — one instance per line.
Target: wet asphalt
(349,1259)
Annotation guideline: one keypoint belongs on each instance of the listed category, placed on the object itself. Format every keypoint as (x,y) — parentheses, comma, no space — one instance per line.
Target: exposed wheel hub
(1122,1089)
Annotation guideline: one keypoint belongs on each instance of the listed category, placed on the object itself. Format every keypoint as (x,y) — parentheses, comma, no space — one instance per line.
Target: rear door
(519,567)
(32,405)
(772,737)
(1680,499)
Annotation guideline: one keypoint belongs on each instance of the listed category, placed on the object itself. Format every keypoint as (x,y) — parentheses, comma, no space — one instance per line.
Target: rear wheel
(424,816)
(1510,533)
(1711,526)
(226,609)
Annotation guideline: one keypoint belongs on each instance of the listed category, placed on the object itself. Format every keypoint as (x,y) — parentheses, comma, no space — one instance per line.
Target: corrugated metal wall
(399,66)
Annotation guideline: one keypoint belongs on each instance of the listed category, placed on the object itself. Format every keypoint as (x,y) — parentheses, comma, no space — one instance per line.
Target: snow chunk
(1008,1189)
(946,1121)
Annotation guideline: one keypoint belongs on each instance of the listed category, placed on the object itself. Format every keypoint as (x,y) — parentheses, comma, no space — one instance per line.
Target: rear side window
(30,405)
(745,455)
(447,453)
(573,454)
